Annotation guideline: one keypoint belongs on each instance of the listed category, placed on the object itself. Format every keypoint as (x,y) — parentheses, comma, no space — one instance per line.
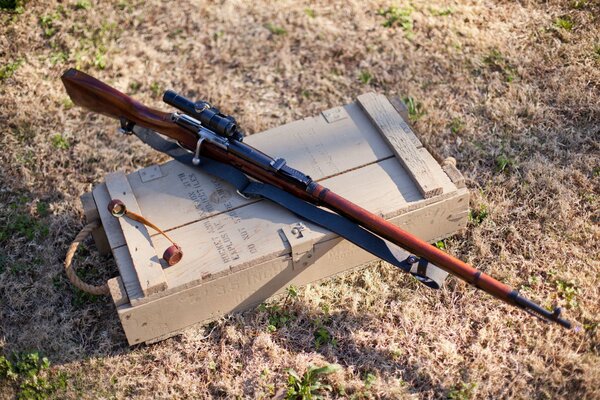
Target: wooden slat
(109,223)
(322,149)
(147,266)
(90,210)
(394,129)
(183,195)
(403,111)
(117,291)
(128,275)
(449,166)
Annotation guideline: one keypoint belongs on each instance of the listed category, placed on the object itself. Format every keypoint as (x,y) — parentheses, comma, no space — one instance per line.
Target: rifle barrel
(443,260)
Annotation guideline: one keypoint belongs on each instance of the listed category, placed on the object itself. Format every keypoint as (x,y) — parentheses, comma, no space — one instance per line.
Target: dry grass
(512,90)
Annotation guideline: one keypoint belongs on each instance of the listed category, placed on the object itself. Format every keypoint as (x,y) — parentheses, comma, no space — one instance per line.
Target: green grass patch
(532,282)
(579,4)
(309,386)
(310,12)
(8,70)
(48,24)
(275,29)
(22,224)
(280,315)
(29,373)
(565,22)
(14,6)
(441,12)
(83,5)
(504,163)
(42,208)
(369,379)
(82,299)
(100,58)
(497,62)
(323,337)
(135,86)
(397,17)
(457,125)
(568,291)
(415,109)
(59,57)
(93,46)
(365,77)
(59,142)
(123,4)
(597,51)
(155,89)
(67,103)
(462,391)
(478,215)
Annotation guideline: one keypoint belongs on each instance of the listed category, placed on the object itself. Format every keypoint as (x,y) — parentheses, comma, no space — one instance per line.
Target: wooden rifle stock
(88,92)
(99,97)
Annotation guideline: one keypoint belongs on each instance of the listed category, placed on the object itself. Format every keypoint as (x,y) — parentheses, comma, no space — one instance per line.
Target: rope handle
(75,280)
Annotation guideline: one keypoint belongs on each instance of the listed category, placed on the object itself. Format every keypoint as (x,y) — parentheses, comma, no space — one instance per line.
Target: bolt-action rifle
(207,133)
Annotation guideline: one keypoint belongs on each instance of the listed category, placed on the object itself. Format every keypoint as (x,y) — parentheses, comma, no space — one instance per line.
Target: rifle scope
(210,117)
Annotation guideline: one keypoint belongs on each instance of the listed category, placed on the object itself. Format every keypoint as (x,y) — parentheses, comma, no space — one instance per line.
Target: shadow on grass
(40,311)
(345,346)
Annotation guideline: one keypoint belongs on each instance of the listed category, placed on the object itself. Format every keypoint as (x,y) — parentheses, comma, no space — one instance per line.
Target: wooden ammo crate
(237,251)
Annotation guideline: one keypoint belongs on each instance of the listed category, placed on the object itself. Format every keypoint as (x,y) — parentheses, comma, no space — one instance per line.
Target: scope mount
(211,117)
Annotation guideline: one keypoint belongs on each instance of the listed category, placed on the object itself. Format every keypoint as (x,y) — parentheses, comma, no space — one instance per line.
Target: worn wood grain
(117,291)
(90,210)
(449,167)
(111,226)
(394,130)
(146,263)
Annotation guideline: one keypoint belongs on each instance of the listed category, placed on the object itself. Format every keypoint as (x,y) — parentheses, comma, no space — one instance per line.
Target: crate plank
(117,291)
(90,210)
(449,167)
(397,133)
(322,149)
(130,279)
(117,244)
(111,226)
(146,263)
(183,195)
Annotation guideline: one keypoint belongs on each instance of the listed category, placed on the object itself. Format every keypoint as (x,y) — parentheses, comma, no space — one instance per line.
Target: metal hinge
(301,240)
